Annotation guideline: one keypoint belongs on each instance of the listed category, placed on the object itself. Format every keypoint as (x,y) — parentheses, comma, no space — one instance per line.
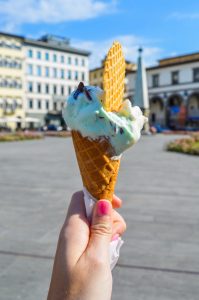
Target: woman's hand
(81,268)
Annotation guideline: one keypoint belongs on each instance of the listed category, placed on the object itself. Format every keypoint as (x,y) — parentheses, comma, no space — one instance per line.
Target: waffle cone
(98,170)
(113,78)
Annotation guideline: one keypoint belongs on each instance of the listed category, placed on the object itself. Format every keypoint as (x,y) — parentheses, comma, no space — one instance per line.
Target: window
(62,73)
(62,59)
(83,62)
(69,74)
(5,83)
(30,53)
(14,84)
(30,87)
(62,90)
(47,104)
(76,75)
(47,71)
(69,90)
(38,70)
(15,104)
(54,105)
(83,76)
(69,60)
(30,69)
(155,80)
(46,56)
(175,77)
(47,88)
(54,72)
(39,104)
(30,103)
(38,87)
(54,57)
(38,54)
(196,74)
(76,61)
(54,89)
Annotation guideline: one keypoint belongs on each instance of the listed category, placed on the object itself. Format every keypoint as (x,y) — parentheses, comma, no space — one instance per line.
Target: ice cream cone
(97,166)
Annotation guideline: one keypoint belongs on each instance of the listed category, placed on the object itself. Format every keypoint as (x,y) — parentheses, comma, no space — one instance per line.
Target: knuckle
(77,195)
(101,229)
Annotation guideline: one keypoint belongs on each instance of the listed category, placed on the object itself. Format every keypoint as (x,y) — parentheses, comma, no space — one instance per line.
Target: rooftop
(49,41)
(176,60)
(12,35)
(179,59)
(56,43)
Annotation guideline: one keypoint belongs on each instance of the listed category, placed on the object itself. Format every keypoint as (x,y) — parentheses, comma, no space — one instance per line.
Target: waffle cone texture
(98,170)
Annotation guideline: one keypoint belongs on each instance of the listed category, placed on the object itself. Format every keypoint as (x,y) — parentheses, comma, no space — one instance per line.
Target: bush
(188,145)
(20,136)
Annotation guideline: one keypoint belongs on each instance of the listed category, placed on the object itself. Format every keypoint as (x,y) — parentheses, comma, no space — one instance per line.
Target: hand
(81,268)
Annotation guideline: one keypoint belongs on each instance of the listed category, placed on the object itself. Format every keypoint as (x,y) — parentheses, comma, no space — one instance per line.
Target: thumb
(101,228)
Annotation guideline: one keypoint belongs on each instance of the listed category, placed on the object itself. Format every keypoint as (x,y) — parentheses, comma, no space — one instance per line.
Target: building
(36,76)
(96,75)
(53,70)
(173,87)
(11,81)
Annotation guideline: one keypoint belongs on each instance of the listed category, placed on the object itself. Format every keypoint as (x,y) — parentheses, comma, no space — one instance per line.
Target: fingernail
(115,237)
(103,208)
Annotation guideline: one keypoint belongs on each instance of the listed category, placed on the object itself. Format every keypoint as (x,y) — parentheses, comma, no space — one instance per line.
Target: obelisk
(141,98)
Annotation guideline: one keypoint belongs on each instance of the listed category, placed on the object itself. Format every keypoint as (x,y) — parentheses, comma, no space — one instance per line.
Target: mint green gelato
(87,115)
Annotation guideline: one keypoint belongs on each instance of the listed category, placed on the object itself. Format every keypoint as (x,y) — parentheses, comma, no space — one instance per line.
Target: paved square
(160,257)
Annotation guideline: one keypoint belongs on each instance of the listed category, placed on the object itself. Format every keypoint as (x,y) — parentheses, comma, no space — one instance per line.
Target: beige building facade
(12,111)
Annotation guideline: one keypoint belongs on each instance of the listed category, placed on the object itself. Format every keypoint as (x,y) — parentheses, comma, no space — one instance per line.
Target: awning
(13,119)
(32,120)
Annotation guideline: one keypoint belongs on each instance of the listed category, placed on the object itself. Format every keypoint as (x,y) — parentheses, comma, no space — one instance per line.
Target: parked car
(52,127)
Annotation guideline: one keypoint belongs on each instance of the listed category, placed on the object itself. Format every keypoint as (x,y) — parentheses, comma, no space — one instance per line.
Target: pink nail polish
(115,237)
(103,208)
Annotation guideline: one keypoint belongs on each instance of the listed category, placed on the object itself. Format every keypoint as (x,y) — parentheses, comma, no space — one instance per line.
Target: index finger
(116,202)
(75,231)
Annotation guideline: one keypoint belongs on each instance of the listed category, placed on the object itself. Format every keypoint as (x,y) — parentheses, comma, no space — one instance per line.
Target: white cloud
(184,16)
(130,45)
(13,13)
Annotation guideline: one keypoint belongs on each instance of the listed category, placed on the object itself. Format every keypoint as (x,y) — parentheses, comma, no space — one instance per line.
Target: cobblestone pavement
(160,257)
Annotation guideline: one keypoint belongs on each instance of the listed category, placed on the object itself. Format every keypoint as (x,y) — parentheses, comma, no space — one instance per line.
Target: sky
(163,28)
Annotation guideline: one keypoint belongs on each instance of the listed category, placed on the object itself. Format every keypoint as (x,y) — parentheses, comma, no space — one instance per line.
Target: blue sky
(164,28)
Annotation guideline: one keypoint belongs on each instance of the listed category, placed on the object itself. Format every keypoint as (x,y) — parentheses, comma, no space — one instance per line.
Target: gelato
(85,113)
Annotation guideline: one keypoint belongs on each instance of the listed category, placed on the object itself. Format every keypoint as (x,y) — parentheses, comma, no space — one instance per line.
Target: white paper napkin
(114,245)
